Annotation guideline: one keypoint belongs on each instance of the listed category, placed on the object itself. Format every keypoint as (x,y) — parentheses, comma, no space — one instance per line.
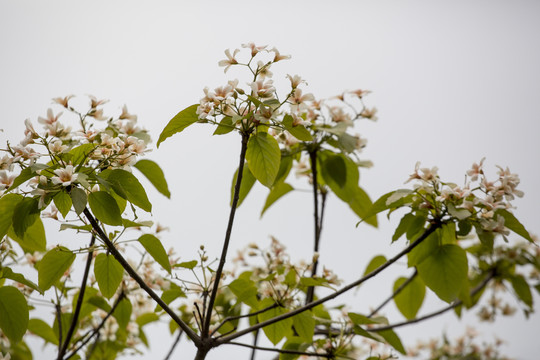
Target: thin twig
(176,341)
(59,321)
(281,351)
(255,339)
(427,232)
(90,334)
(80,299)
(114,251)
(394,294)
(219,271)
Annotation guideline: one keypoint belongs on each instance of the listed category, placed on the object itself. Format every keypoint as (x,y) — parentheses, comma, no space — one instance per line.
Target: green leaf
(187,264)
(179,122)
(403,226)
(445,271)
(170,295)
(7,273)
(416,227)
(245,291)
(263,157)
(393,340)
(26,212)
(63,202)
(359,319)
(391,200)
(410,298)
(109,273)
(127,186)
(43,330)
(156,250)
(278,330)
(225,126)
(80,153)
(248,180)
(25,175)
(33,239)
(146,318)
(276,192)
(423,250)
(8,203)
(334,167)
(294,343)
(79,199)
(298,131)
(99,302)
(53,265)
(513,224)
(14,313)
(304,324)
(155,175)
(374,264)
(522,289)
(105,208)
(122,313)
(448,233)
(285,167)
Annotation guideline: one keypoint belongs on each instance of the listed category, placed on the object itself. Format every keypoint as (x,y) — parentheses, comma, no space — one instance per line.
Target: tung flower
(64,176)
(230,60)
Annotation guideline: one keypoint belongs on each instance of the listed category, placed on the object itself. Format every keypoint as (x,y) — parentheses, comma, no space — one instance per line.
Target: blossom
(278,56)
(231,60)
(254,49)
(50,119)
(64,176)
(476,170)
(295,80)
(57,147)
(94,102)
(125,115)
(63,100)
(263,89)
(6,179)
(97,114)
(360,93)
(369,114)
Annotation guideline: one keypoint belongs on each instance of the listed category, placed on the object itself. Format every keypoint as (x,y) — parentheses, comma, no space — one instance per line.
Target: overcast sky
(453,82)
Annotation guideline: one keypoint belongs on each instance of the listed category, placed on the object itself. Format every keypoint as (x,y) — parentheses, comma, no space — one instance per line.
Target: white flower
(57,147)
(50,119)
(231,60)
(64,176)
(126,115)
(254,49)
(476,170)
(278,56)
(6,179)
(263,89)
(63,100)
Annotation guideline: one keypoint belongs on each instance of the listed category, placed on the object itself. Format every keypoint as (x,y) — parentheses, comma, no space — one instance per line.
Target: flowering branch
(112,249)
(426,233)
(282,351)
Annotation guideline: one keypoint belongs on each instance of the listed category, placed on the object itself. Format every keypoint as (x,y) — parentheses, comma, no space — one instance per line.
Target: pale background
(453,81)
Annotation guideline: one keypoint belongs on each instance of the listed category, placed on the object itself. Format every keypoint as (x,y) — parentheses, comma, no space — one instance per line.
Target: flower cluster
(91,143)
(476,201)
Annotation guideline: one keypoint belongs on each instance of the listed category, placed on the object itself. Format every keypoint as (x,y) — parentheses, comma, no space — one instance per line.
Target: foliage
(83,178)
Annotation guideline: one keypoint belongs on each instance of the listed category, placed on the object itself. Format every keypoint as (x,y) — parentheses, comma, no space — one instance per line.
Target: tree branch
(317,233)
(455,304)
(176,341)
(281,351)
(80,299)
(427,232)
(219,271)
(114,251)
(232,318)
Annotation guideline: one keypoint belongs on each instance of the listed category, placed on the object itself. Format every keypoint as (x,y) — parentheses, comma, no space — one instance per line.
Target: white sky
(453,82)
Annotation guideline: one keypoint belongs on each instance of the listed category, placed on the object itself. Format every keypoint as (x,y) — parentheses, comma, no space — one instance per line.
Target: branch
(398,290)
(89,335)
(79,301)
(281,351)
(255,338)
(317,234)
(219,271)
(455,304)
(114,251)
(176,341)
(352,285)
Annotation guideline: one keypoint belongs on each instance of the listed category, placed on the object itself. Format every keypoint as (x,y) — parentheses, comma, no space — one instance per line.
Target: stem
(219,271)
(317,233)
(79,301)
(398,290)
(59,320)
(254,350)
(427,232)
(112,249)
